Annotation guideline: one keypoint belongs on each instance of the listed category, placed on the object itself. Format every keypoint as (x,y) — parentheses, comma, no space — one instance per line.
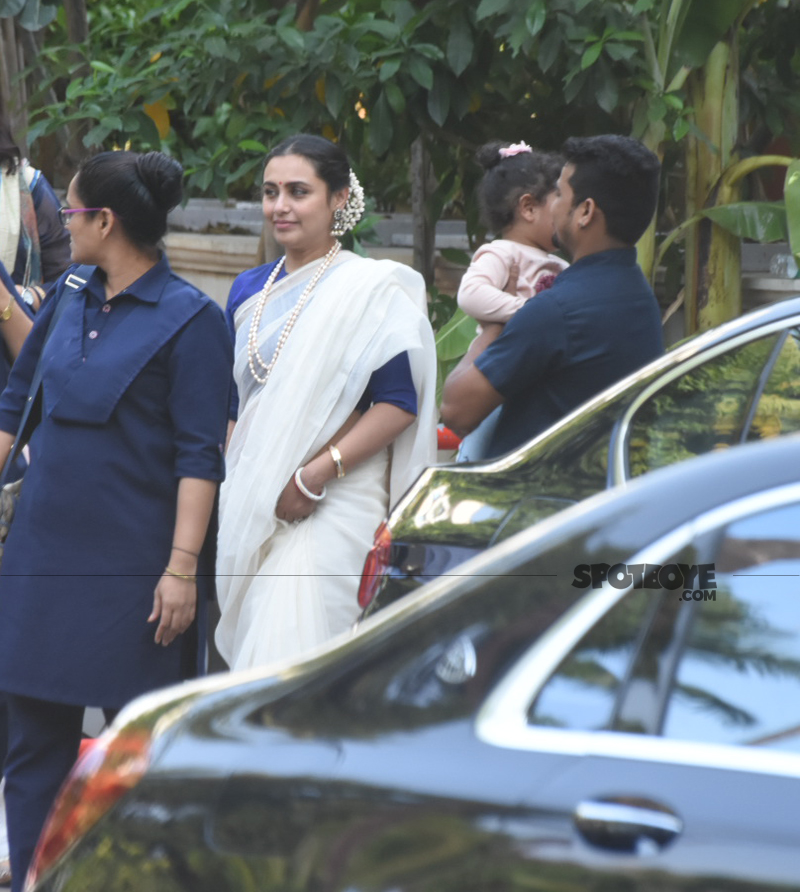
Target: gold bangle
(337,460)
(170,572)
(6,314)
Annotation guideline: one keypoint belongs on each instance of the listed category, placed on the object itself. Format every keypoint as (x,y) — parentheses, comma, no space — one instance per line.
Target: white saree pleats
(305,590)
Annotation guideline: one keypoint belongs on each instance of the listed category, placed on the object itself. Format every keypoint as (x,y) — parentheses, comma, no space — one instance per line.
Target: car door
(680,708)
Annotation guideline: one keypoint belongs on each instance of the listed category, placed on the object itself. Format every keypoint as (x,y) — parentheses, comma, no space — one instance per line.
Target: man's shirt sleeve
(532,343)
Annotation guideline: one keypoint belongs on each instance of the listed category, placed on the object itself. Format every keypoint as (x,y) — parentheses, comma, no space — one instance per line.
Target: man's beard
(560,246)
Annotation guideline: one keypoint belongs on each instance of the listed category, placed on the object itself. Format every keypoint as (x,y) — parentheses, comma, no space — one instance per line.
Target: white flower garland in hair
(344,219)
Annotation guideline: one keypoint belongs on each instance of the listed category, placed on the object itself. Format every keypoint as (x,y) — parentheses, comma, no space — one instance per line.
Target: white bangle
(29,296)
(298,480)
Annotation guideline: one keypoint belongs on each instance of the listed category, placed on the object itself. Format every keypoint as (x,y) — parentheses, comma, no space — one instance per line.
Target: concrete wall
(211,242)
(212,261)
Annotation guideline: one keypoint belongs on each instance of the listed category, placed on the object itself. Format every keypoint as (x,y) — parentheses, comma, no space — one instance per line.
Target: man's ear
(587,213)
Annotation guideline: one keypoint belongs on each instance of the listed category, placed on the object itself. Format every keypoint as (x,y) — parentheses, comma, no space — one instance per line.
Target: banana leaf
(455,336)
(791,193)
(452,341)
(762,221)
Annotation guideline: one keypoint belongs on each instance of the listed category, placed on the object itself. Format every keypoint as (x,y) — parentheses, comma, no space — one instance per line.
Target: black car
(609,700)
(736,384)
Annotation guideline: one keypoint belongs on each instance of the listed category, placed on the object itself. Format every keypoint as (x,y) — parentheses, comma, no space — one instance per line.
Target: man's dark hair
(621,175)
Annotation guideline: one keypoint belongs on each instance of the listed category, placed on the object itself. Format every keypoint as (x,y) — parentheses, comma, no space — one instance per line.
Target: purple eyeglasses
(63,219)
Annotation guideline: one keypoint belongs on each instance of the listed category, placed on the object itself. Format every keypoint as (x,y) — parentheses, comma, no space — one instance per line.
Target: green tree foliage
(216,82)
(33,15)
(222,77)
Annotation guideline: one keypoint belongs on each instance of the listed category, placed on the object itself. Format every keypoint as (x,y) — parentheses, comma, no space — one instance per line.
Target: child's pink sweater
(481,294)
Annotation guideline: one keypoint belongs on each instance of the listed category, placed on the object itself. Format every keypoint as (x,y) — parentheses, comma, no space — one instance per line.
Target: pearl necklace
(253,355)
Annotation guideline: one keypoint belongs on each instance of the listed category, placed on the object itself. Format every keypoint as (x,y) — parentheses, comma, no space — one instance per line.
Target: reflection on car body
(502,730)
(737,384)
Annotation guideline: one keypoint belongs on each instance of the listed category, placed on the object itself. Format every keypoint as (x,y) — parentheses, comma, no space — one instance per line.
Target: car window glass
(582,693)
(574,462)
(778,409)
(704,409)
(618,676)
(738,679)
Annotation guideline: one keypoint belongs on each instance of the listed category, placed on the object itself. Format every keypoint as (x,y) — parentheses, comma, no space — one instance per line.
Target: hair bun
(163,178)
(488,155)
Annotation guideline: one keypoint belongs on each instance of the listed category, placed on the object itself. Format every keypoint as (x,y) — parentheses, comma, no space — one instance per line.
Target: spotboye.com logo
(697,581)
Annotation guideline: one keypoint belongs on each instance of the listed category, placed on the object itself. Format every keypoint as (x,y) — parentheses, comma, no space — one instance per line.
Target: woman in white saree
(335,370)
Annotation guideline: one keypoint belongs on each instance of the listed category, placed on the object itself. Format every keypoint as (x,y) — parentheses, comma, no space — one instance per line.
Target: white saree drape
(285,588)
(10,218)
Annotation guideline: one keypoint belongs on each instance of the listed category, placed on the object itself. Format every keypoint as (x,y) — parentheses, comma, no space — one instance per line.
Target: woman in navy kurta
(98,580)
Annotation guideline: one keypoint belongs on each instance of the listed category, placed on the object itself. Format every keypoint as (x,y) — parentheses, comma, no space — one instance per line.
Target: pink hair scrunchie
(517,148)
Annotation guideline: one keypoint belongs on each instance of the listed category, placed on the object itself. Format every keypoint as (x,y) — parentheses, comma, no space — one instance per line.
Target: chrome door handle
(627,824)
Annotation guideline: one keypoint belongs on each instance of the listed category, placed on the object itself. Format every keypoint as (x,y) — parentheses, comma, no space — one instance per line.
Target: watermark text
(698,581)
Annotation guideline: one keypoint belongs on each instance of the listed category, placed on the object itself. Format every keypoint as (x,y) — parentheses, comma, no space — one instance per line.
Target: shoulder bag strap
(76,279)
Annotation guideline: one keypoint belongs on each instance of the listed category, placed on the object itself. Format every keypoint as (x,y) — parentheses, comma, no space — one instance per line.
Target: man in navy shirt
(597,323)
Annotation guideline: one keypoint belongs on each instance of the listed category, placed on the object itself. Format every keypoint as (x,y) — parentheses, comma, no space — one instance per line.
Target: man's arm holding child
(467,395)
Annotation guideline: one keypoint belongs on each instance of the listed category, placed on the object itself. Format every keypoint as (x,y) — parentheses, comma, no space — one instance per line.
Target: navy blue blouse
(391,383)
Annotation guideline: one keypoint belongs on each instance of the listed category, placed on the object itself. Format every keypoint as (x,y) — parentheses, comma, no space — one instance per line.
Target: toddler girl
(515,195)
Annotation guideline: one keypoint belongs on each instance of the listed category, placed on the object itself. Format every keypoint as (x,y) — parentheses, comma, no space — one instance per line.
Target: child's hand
(513,276)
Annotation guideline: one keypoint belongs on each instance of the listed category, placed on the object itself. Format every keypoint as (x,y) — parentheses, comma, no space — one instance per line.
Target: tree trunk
(713,256)
(423,229)
(77,33)
(306,14)
(13,93)
(653,138)
(76,21)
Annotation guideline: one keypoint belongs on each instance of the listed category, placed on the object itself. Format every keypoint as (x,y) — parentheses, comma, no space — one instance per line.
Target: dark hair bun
(163,178)
(488,156)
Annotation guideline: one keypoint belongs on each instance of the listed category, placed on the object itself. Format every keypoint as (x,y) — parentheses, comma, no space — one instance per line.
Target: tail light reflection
(100,778)
(375,566)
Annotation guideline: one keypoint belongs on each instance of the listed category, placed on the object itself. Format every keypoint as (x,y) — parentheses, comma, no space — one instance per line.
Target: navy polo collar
(615,256)
(147,288)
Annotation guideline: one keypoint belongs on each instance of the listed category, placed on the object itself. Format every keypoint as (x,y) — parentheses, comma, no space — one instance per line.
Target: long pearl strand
(253,355)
